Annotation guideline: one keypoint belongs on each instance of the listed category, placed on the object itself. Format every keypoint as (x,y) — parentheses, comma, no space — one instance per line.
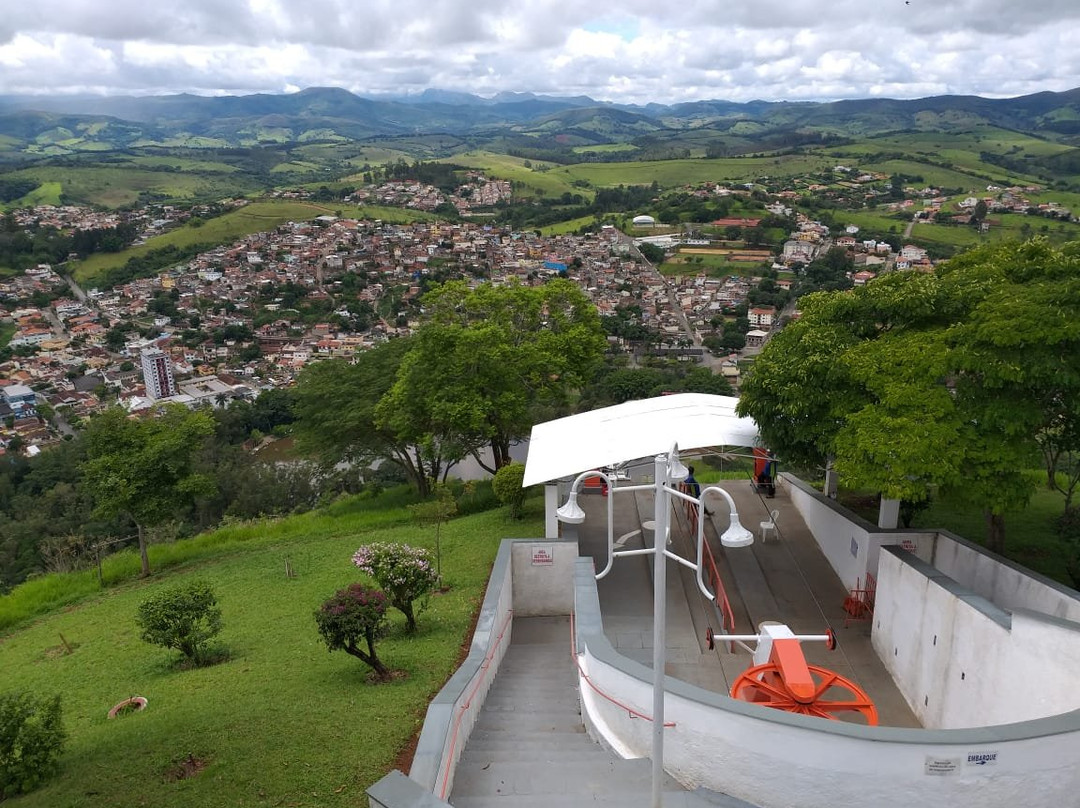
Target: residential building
(157,374)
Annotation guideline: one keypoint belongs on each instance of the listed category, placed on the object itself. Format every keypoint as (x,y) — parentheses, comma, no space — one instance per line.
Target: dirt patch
(185,769)
(393,676)
(54,651)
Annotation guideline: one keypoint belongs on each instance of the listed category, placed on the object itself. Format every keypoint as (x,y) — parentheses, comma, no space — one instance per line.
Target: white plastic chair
(769,526)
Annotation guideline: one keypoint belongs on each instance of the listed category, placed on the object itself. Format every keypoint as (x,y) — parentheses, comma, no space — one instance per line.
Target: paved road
(75,289)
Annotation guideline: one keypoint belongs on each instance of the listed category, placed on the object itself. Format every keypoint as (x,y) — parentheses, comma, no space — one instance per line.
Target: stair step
(525,723)
(524,687)
(524,777)
(511,753)
(672,799)
(492,735)
(567,696)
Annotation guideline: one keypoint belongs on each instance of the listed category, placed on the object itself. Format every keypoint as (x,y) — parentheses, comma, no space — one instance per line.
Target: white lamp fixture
(677,472)
(570,512)
(736,535)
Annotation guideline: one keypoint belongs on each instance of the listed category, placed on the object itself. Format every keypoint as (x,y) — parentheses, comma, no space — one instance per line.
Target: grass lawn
(673,173)
(281,721)
(711,265)
(48,193)
(569,226)
(874,221)
(1030,536)
(1004,227)
(530,181)
(183,163)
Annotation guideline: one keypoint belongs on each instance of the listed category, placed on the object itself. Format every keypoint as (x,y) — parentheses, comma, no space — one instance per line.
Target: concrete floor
(785,579)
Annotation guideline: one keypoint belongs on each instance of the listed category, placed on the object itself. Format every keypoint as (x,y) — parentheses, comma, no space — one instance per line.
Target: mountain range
(57,125)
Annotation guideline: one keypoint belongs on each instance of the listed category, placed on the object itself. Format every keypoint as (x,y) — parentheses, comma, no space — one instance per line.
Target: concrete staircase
(529,748)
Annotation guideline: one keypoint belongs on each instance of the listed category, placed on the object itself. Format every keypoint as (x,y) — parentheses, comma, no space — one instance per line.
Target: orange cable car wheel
(764,685)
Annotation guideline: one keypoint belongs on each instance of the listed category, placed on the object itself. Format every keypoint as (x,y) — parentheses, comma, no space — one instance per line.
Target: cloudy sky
(634,51)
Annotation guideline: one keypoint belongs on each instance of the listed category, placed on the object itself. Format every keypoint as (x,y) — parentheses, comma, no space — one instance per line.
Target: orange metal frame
(787,682)
(859,605)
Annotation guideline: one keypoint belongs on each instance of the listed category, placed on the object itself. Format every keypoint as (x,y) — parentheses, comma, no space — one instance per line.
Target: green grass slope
(112,186)
(282,721)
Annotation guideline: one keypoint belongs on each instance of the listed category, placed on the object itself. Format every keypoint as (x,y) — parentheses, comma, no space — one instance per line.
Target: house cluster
(349,264)
(149,220)
(67,217)
(477,192)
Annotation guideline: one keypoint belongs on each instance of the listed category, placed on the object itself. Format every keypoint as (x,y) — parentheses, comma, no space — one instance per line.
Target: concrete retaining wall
(961,661)
(853,546)
(1001,581)
(780,760)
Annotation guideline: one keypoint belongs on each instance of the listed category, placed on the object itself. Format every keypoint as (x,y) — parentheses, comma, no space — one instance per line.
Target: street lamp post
(667,469)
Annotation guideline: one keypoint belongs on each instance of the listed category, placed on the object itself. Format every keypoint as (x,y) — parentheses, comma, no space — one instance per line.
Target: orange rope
(632,712)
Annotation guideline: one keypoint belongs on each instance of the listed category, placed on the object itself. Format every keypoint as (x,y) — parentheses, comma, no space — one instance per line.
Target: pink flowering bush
(353,614)
(405,573)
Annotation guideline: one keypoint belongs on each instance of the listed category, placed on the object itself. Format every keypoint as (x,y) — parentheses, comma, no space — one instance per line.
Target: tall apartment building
(157,374)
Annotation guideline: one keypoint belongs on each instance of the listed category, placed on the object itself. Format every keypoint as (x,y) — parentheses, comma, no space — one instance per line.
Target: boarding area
(810,658)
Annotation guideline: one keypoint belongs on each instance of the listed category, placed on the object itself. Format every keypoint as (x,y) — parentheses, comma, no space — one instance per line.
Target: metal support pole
(660,519)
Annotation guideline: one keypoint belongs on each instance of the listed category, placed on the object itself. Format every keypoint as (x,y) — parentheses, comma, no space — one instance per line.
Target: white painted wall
(542,589)
(776,760)
(845,543)
(852,545)
(1002,583)
(957,664)
(518,587)
(453,712)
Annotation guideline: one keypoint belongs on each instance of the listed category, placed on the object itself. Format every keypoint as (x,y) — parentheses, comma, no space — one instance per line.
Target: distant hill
(58,125)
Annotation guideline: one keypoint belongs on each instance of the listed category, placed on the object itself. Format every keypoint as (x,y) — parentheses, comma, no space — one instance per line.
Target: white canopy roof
(568,446)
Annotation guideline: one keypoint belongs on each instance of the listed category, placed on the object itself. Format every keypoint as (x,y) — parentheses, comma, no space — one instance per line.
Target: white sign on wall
(983,759)
(542,556)
(941,767)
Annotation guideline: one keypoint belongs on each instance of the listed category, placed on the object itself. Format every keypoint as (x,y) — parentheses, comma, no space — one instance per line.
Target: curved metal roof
(612,435)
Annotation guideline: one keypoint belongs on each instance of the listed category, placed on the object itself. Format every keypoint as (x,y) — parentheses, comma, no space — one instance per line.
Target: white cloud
(639,51)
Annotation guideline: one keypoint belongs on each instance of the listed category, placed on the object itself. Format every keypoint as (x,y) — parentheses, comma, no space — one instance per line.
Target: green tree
(952,380)
(335,408)
(144,469)
(440,508)
(184,617)
(490,362)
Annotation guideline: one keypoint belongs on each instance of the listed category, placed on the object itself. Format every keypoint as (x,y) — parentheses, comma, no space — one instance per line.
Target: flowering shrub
(353,614)
(405,573)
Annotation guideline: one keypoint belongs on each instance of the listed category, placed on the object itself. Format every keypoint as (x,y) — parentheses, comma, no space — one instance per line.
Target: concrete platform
(786,579)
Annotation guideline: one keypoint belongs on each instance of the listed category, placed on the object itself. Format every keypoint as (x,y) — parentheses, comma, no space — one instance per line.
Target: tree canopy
(335,405)
(490,362)
(951,380)
(145,468)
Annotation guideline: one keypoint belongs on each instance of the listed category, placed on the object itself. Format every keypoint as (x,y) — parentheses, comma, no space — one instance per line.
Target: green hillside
(281,721)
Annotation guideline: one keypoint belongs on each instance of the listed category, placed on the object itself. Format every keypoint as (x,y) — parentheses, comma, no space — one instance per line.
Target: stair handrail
(464,706)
